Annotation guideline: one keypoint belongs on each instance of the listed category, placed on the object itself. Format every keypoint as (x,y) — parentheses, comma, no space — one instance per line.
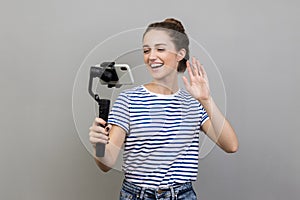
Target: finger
(194,61)
(201,68)
(195,68)
(100,129)
(100,121)
(188,65)
(186,82)
(108,128)
(98,137)
(94,141)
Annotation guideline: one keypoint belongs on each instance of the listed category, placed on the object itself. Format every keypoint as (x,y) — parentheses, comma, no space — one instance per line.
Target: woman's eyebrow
(159,44)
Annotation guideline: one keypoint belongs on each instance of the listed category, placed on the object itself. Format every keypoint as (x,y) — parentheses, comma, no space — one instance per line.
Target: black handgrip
(103,113)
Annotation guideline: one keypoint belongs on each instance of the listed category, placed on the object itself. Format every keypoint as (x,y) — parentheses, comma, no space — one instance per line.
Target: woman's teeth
(156,65)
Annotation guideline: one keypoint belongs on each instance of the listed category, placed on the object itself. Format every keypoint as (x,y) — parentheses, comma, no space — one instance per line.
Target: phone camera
(123,68)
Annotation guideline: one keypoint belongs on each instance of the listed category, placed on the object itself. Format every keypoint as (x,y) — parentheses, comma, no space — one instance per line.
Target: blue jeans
(183,191)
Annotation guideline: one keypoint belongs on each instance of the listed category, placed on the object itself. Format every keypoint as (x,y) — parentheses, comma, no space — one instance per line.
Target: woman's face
(160,54)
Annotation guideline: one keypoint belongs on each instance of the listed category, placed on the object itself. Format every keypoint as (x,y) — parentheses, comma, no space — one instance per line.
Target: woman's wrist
(206,103)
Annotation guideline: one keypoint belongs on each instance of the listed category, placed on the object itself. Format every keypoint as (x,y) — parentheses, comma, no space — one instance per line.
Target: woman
(159,123)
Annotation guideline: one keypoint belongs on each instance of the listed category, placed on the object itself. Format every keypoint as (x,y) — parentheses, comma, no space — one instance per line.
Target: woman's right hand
(97,133)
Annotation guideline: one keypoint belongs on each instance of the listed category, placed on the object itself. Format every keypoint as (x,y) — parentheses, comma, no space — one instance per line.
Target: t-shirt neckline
(161,95)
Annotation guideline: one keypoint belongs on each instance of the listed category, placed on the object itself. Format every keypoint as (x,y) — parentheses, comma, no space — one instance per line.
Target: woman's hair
(176,31)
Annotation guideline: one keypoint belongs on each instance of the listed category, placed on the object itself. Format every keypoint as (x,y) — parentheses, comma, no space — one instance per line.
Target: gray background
(43,43)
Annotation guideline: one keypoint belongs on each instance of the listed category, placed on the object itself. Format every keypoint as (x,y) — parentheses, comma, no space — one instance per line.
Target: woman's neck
(163,88)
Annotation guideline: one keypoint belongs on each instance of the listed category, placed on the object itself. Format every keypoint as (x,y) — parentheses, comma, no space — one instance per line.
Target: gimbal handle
(103,113)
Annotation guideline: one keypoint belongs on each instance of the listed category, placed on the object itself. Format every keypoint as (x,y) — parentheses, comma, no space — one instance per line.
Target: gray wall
(255,45)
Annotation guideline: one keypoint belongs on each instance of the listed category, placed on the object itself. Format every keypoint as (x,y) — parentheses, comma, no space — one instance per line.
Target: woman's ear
(181,54)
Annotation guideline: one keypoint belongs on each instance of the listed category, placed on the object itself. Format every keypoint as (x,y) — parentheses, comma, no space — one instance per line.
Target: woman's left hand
(198,85)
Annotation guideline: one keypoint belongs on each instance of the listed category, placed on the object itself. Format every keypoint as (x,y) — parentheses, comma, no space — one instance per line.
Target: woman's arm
(113,136)
(217,126)
(218,129)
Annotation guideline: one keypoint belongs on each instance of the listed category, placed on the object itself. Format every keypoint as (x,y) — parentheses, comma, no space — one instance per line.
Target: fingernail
(107,129)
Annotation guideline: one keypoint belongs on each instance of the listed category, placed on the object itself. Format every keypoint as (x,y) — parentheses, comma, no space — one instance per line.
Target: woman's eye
(160,49)
(146,51)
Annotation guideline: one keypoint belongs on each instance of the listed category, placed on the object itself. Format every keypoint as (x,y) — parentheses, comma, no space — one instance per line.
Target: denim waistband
(141,191)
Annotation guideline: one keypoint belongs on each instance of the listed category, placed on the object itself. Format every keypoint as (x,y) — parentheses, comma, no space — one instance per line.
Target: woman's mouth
(156,65)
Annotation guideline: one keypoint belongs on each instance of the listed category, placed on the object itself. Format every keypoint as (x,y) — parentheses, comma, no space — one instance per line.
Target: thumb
(186,82)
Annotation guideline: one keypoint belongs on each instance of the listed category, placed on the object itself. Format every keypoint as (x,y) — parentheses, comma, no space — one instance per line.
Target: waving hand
(198,85)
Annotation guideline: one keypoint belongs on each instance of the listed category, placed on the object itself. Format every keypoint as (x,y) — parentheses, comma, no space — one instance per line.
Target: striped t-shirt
(162,136)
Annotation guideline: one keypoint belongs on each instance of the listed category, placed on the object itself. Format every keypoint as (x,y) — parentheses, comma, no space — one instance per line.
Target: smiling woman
(178,37)
(161,58)
(160,123)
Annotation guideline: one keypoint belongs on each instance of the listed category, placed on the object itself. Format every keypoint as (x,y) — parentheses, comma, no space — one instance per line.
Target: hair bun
(177,23)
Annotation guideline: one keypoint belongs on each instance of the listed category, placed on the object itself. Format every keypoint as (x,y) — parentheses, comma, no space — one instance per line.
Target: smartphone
(124,74)
(119,74)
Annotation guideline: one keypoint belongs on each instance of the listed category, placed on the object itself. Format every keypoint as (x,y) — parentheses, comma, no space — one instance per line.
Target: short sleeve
(204,116)
(119,114)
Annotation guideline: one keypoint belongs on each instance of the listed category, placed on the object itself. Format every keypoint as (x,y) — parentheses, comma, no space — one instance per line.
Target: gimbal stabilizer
(107,73)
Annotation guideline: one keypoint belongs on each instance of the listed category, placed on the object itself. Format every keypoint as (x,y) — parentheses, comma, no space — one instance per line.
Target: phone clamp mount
(107,73)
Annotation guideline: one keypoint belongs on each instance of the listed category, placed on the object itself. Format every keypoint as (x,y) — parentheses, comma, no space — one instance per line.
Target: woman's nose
(152,55)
